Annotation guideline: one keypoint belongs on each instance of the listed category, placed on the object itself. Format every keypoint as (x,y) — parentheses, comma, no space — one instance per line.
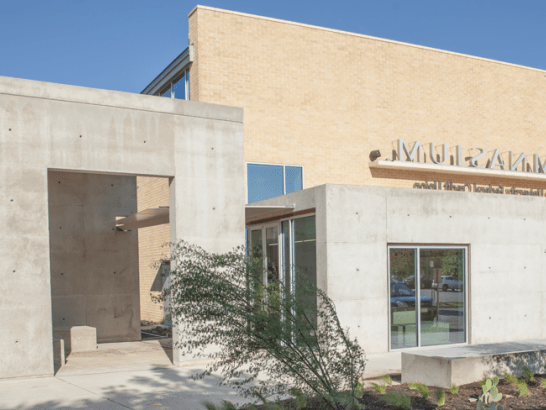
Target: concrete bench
(77,338)
(467,364)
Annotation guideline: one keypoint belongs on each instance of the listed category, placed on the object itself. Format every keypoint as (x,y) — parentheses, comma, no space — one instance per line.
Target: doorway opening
(100,286)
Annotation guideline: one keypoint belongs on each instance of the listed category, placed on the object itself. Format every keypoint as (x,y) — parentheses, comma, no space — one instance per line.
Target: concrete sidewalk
(121,387)
(165,388)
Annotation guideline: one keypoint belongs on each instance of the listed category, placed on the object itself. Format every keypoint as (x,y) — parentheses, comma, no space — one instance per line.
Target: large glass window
(267,181)
(294,261)
(436,277)
(179,89)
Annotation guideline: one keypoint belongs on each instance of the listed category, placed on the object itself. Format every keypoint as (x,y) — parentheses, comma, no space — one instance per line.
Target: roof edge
(439,50)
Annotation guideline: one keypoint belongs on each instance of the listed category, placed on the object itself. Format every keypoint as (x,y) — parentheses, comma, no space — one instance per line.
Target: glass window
(179,88)
(436,277)
(305,257)
(402,296)
(167,93)
(290,259)
(293,179)
(267,181)
(264,181)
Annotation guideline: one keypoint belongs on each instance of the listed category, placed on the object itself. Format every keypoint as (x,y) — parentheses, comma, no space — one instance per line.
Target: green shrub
(294,341)
(381,388)
(527,374)
(523,388)
(440,396)
(423,390)
(386,379)
(453,389)
(301,401)
(543,381)
(398,399)
(511,379)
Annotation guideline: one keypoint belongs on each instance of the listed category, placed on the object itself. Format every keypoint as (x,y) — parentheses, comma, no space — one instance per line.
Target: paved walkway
(136,376)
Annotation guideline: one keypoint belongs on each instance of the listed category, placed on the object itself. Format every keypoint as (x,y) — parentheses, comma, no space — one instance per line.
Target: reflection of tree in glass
(450,261)
(402,263)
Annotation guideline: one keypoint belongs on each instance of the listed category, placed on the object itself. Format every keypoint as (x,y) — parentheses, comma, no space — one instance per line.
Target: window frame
(291,247)
(283,176)
(184,73)
(418,247)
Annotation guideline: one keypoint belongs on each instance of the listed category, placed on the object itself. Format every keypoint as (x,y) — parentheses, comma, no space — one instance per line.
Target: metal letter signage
(495,161)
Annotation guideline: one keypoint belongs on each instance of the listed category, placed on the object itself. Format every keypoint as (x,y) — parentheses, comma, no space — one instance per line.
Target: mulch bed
(460,401)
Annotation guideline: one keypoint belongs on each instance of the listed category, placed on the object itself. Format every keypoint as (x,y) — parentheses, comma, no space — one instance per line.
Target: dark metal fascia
(172,70)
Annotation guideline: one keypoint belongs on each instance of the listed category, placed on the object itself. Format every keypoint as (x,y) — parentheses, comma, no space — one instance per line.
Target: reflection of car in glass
(451,282)
(403,300)
(426,282)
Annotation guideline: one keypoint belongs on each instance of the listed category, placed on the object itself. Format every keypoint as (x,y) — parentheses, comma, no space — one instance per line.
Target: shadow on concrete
(166,388)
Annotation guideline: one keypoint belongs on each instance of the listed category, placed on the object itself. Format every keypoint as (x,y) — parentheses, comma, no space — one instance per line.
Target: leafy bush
(543,381)
(440,397)
(295,342)
(301,401)
(380,388)
(423,389)
(511,379)
(453,389)
(398,399)
(527,374)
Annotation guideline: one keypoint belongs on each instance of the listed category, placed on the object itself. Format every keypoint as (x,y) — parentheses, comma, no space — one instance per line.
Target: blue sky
(122,45)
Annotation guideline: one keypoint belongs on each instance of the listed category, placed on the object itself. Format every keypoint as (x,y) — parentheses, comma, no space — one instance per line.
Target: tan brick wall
(324,98)
(152,193)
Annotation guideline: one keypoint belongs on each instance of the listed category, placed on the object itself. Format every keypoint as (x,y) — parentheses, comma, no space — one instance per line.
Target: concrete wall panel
(507,255)
(116,317)
(46,126)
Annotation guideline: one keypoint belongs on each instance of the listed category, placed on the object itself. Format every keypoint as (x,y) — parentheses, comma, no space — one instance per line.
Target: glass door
(402,293)
(428,298)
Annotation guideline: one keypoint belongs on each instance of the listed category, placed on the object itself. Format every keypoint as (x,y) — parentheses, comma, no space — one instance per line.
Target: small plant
(398,399)
(386,379)
(380,388)
(421,387)
(453,389)
(511,379)
(527,374)
(490,394)
(523,388)
(440,396)
(423,390)
(543,381)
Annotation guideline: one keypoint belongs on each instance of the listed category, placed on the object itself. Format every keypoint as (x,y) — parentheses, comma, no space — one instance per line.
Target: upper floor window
(179,89)
(266,181)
